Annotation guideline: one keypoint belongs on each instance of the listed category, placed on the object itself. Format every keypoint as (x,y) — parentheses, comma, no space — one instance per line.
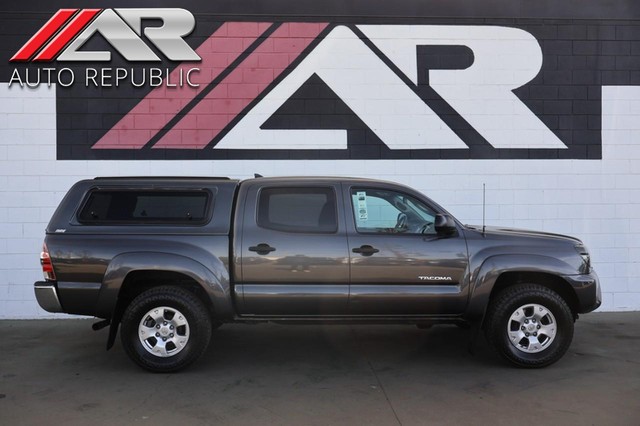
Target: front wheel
(529,325)
(165,329)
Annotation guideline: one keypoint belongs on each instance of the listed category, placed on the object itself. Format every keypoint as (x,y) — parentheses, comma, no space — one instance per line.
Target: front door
(400,265)
(294,256)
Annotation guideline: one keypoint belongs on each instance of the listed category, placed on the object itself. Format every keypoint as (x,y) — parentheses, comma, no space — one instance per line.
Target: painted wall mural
(368,88)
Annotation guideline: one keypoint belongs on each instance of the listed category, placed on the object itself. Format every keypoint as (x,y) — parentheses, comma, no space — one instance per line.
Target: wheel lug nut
(526,334)
(535,334)
(533,320)
(171,335)
(171,327)
(526,321)
(164,339)
(158,326)
(538,327)
(157,334)
(164,323)
(522,328)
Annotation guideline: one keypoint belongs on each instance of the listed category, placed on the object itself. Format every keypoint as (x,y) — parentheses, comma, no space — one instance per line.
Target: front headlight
(586,257)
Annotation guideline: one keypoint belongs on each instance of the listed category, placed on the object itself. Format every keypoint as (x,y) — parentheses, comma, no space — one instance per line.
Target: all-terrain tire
(165,329)
(519,311)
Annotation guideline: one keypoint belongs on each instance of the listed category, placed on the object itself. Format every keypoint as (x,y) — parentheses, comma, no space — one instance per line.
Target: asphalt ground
(57,372)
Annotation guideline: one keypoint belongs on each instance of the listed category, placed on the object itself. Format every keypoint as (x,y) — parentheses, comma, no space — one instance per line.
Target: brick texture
(587,93)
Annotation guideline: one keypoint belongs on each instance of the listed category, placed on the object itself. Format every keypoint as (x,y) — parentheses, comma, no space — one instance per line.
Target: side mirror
(444,224)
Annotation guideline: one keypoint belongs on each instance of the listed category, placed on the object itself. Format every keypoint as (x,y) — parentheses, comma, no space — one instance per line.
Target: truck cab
(334,247)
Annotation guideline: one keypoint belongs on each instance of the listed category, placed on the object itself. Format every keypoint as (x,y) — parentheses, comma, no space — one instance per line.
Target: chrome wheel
(532,328)
(163,331)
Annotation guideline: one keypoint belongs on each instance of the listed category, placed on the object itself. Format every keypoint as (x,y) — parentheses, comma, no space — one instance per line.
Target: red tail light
(47,266)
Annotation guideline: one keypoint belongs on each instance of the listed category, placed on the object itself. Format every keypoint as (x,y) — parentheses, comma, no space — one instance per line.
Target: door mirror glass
(444,224)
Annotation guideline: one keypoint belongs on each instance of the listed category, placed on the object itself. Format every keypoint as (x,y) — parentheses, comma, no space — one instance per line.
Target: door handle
(365,250)
(262,248)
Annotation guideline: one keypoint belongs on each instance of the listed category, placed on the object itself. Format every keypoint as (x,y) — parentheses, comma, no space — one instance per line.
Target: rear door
(399,264)
(293,250)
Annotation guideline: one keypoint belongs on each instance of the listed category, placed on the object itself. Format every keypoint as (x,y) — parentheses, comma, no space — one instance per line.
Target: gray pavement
(57,372)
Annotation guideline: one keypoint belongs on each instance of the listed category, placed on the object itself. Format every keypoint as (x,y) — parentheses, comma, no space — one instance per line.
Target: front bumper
(587,288)
(47,296)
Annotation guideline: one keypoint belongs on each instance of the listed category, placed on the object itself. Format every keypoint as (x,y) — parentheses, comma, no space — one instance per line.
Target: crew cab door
(400,265)
(293,250)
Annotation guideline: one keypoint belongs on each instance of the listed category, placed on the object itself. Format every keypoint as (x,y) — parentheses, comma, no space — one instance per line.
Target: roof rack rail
(162,177)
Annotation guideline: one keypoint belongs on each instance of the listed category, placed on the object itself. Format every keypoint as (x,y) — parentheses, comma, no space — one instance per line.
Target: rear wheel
(165,329)
(529,325)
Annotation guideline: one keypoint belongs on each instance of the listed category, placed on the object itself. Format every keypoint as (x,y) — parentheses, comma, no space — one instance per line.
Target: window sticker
(362,205)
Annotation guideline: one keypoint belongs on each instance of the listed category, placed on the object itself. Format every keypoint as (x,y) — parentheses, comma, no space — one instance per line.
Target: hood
(496,230)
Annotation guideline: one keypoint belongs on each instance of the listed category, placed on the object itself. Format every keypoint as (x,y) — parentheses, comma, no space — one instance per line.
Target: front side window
(298,209)
(144,207)
(390,212)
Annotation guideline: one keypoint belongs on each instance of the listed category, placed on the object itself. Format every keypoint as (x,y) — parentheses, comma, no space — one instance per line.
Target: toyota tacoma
(168,259)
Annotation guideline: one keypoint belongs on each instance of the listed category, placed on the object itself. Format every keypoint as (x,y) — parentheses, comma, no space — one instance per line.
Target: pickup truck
(169,259)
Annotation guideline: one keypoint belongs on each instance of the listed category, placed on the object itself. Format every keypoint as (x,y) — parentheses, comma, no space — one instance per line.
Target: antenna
(483,206)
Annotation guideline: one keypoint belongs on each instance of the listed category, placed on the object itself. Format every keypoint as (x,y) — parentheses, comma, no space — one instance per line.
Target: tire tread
(201,328)
(501,307)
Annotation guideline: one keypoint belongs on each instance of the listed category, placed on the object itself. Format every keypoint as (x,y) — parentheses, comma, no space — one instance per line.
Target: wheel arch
(138,281)
(131,268)
(501,271)
(548,280)
(129,274)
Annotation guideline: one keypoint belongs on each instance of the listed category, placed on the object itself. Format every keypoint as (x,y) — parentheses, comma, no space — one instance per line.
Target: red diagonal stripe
(242,86)
(153,112)
(54,47)
(43,35)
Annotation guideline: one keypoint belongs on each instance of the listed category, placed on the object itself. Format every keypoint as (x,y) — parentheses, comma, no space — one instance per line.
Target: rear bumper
(47,296)
(587,288)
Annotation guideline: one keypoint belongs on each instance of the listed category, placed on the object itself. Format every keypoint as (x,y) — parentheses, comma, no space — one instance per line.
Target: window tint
(153,207)
(391,212)
(298,209)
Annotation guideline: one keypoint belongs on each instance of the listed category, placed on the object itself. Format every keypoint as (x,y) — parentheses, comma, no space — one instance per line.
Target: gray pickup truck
(170,259)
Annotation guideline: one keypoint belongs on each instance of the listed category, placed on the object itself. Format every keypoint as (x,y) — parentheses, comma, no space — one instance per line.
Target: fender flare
(213,280)
(490,270)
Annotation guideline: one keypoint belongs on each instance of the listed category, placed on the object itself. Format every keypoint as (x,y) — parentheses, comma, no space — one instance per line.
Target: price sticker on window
(361,197)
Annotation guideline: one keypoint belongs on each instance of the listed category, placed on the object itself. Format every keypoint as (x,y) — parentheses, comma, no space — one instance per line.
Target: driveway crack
(384,392)
(375,373)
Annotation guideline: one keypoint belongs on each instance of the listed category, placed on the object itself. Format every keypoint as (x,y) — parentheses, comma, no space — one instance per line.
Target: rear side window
(145,207)
(298,210)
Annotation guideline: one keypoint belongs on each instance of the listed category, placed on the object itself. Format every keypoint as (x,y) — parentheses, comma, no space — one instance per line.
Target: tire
(165,329)
(529,325)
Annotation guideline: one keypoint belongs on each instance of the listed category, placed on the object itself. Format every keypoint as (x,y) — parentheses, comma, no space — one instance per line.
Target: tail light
(47,266)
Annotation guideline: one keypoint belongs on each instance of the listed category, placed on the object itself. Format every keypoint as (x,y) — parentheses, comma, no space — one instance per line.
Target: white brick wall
(595,200)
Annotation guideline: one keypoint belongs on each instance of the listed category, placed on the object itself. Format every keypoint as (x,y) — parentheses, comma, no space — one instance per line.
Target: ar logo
(373,69)
(65,33)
